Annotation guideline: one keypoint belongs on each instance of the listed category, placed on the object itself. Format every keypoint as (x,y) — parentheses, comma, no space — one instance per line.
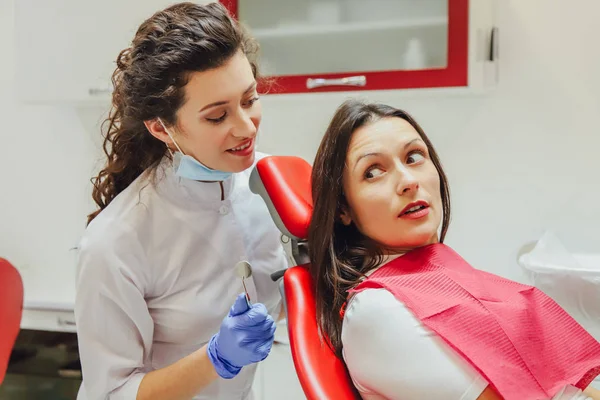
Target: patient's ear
(345,216)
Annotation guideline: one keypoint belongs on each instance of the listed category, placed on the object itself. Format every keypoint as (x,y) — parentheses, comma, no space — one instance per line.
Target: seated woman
(410,318)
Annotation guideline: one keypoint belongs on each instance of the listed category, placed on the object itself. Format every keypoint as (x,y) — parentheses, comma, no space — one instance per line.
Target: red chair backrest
(321,374)
(284,182)
(11,309)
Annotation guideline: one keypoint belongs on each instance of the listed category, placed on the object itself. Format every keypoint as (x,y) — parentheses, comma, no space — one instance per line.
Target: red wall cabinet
(340,45)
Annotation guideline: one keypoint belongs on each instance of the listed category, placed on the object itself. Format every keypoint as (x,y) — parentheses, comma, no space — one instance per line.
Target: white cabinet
(48,319)
(66,49)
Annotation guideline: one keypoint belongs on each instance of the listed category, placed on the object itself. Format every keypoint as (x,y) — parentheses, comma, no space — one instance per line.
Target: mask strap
(170,136)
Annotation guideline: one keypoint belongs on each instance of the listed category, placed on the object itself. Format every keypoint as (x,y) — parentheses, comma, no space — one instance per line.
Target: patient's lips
(415,210)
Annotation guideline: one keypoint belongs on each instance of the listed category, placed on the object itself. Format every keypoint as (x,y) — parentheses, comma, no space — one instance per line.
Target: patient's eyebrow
(376,153)
(370,154)
(412,141)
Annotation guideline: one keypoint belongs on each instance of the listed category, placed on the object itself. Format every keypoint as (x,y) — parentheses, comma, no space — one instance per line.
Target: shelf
(348,28)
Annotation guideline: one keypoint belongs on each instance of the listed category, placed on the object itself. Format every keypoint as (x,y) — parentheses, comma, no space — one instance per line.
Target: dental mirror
(243,270)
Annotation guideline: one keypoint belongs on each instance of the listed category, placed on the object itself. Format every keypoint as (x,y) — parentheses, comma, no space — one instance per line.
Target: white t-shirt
(390,354)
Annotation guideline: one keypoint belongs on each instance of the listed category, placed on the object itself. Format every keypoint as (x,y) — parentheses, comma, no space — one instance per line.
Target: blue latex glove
(245,337)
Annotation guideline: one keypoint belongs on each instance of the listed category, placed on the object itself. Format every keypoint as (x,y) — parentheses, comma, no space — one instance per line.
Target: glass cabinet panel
(304,37)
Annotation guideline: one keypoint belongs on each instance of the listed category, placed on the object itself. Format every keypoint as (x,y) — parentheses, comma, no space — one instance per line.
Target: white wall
(521,159)
(46,160)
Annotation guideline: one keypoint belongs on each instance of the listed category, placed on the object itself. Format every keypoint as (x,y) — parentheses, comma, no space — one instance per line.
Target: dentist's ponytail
(149,82)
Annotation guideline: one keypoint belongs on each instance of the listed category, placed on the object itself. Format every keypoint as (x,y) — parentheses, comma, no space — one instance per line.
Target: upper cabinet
(66,50)
(333,45)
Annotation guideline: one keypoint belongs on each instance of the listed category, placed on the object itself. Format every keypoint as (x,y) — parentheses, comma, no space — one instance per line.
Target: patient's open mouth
(417,209)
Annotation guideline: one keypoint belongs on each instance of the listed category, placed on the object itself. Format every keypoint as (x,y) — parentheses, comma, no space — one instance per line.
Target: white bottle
(414,56)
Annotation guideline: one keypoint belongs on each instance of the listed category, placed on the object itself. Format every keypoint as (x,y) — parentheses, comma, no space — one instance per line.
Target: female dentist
(156,308)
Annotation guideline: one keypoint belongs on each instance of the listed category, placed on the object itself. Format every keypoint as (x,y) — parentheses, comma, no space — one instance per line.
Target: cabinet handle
(493,55)
(65,322)
(98,92)
(349,81)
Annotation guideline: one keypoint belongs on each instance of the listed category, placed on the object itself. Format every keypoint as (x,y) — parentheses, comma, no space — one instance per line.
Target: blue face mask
(188,167)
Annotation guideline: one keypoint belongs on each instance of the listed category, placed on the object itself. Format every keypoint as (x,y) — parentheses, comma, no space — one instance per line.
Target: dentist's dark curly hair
(149,82)
(341,255)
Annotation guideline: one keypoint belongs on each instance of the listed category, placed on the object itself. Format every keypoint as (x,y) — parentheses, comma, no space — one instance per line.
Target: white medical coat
(156,278)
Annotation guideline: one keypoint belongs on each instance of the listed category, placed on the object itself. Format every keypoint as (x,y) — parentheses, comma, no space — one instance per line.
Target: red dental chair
(11,308)
(284,184)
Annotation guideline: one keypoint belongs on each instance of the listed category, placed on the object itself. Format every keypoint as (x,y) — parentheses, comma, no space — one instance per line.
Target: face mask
(188,167)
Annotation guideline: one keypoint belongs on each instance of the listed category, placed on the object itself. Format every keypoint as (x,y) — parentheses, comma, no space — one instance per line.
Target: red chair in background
(11,309)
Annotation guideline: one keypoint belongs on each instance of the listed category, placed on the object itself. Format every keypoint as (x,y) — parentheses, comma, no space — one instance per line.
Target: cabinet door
(66,49)
(325,45)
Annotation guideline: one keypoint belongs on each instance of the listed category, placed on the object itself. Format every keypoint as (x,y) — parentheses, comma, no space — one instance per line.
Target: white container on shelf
(414,57)
(323,12)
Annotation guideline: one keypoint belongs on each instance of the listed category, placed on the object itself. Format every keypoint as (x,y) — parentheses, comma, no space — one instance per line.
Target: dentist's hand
(245,337)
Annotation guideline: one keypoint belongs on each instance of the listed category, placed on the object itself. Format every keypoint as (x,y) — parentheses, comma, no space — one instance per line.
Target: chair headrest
(284,184)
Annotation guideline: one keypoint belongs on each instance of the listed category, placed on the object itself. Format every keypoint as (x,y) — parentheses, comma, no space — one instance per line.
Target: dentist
(158,309)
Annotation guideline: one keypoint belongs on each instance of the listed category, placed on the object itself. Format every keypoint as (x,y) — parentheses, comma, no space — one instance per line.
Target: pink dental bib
(523,343)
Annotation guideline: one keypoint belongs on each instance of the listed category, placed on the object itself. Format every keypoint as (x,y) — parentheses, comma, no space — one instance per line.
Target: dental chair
(11,309)
(284,184)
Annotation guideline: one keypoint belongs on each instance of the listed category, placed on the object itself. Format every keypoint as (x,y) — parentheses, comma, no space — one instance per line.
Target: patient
(410,318)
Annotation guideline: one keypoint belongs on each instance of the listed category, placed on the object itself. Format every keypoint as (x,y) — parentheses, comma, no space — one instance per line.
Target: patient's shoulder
(374,319)
(374,306)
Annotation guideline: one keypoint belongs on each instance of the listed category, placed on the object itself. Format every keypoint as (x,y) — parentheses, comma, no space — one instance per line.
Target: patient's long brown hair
(340,255)
(149,82)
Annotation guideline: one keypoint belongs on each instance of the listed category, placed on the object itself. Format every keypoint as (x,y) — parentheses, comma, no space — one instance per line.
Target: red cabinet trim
(454,75)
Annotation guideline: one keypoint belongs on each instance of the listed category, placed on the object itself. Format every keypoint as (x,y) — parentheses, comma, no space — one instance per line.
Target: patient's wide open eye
(373,172)
(415,157)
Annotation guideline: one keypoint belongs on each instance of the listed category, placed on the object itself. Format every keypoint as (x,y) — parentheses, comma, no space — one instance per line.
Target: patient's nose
(407,183)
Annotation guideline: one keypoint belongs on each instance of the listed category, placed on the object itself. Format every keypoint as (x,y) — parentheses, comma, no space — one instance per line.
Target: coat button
(223,210)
